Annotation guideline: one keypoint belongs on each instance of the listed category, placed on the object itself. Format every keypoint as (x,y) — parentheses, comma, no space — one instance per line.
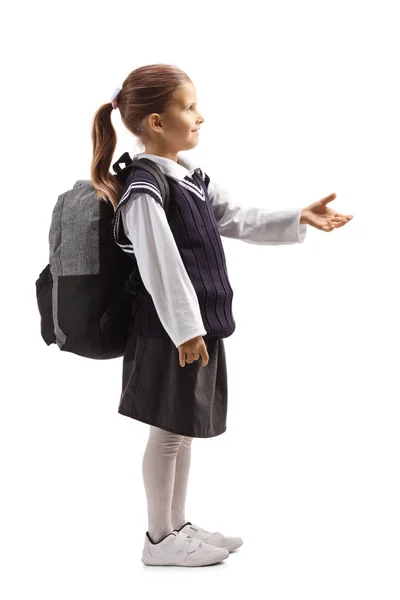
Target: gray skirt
(190,400)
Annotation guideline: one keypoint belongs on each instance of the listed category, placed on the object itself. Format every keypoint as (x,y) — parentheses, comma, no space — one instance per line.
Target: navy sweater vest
(195,230)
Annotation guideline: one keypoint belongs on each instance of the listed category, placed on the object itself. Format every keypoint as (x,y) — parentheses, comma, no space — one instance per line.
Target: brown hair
(146,90)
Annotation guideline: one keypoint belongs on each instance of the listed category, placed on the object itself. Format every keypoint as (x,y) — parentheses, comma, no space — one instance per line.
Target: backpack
(85,294)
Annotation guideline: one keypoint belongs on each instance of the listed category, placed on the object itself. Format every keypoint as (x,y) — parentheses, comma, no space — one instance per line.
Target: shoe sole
(202,563)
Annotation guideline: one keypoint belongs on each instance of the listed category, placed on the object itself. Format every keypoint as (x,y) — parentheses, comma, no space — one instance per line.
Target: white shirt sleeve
(161,268)
(255,225)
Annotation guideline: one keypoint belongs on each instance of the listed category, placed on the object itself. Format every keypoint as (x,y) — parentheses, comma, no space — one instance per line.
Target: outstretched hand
(320,216)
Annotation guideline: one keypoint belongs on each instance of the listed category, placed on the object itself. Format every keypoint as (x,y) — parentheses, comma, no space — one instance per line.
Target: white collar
(183,168)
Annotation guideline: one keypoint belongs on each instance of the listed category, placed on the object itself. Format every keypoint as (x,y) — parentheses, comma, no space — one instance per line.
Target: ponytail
(104,141)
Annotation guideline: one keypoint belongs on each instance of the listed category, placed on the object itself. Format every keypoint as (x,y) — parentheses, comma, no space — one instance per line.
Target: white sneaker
(181,550)
(211,538)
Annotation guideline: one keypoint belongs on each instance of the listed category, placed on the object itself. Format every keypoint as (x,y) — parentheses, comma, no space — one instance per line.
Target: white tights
(166,464)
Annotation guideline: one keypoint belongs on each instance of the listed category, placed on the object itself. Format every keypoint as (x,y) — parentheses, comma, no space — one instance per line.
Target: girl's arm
(255,225)
(161,268)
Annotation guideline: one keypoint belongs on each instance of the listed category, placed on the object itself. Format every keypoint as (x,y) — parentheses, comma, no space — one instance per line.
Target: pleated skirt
(190,400)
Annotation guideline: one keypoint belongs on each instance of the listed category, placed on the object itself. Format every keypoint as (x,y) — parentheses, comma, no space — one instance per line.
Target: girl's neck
(171,155)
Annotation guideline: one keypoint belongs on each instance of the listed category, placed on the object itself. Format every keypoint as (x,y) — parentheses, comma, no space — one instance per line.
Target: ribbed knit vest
(195,230)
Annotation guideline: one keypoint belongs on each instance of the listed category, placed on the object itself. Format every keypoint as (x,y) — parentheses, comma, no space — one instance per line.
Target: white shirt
(160,264)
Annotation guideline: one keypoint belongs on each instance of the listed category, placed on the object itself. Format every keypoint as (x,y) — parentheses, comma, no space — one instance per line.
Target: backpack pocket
(82,303)
(44,289)
(79,303)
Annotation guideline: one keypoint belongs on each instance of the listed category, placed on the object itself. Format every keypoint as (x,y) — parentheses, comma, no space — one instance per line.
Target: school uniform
(184,291)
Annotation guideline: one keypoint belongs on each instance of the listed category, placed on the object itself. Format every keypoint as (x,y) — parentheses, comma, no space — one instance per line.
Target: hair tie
(114,96)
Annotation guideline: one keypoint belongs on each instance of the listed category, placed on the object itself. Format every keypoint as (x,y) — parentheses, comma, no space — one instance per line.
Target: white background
(300,100)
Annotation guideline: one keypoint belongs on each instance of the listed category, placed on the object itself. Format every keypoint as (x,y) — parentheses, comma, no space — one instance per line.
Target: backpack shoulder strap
(147,165)
(122,175)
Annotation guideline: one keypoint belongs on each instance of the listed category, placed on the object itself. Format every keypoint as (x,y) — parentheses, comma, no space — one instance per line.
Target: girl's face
(172,131)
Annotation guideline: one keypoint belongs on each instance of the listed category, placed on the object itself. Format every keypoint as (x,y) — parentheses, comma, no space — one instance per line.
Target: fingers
(184,358)
(195,356)
(328,198)
(339,217)
(336,222)
(341,223)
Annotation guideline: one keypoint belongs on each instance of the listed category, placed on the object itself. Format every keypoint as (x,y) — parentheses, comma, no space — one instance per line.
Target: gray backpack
(85,293)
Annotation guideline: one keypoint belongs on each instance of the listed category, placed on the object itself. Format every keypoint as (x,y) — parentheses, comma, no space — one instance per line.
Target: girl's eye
(190,106)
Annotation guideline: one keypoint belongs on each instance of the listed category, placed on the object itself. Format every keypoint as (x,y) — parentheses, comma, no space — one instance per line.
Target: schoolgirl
(174,368)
